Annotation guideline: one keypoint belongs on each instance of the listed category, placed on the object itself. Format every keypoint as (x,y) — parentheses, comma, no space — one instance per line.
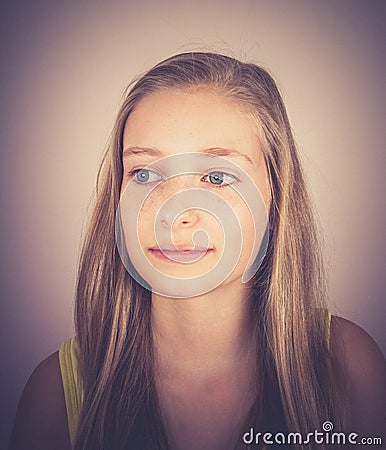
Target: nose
(186,219)
(176,224)
(177,210)
(170,217)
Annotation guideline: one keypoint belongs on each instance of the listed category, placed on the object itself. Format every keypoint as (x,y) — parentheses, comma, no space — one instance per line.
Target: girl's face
(195,191)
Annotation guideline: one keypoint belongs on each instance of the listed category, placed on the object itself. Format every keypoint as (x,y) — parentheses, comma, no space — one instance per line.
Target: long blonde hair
(112,314)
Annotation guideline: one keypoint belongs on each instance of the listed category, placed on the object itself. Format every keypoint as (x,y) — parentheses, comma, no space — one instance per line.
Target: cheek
(263,185)
(146,220)
(246,222)
(253,222)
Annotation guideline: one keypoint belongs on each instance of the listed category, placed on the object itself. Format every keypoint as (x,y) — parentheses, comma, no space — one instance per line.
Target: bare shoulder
(363,356)
(364,368)
(41,418)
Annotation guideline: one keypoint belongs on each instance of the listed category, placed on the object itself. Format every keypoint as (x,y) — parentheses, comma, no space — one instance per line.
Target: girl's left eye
(219,179)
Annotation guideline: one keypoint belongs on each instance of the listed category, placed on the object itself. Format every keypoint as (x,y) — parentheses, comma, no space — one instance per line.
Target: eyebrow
(215,151)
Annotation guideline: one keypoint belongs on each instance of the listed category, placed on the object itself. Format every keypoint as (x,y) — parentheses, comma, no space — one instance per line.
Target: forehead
(180,120)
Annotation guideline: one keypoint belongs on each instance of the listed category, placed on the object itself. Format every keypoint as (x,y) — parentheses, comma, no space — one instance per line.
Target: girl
(201,320)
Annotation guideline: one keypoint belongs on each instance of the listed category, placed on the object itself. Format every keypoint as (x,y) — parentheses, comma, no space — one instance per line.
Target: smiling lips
(180,255)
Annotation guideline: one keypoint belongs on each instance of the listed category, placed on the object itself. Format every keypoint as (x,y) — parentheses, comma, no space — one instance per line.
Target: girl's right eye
(144,176)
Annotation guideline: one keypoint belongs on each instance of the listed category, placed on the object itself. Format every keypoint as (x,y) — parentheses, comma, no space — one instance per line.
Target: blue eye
(143,176)
(216,178)
(219,179)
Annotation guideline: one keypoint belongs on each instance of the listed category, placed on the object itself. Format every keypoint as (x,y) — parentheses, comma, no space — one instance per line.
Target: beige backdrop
(64,68)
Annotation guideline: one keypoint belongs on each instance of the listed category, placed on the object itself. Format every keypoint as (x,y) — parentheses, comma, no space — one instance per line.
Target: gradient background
(64,67)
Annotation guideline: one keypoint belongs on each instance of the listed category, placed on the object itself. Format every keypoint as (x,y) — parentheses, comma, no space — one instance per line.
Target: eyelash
(134,172)
(224,174)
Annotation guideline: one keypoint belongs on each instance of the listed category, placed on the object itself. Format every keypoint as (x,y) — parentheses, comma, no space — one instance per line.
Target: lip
(188,255)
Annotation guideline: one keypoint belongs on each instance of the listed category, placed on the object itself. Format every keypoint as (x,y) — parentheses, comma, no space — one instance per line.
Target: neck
(203,335)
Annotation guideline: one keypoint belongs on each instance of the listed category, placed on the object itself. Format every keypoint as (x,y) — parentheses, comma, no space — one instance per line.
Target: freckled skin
(181,122)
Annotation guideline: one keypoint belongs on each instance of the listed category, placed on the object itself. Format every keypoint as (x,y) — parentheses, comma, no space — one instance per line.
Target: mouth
(184,256)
